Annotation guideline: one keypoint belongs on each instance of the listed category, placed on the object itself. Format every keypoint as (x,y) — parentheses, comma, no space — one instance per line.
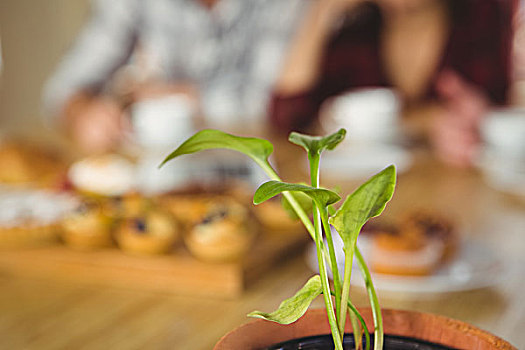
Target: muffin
(188,209)
(88,227)
(224,234)
(127,206)
(152,232)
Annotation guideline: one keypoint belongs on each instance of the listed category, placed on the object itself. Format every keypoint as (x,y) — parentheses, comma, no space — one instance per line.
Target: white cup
(161,123)
(503,132)
(369,115)
(503,156)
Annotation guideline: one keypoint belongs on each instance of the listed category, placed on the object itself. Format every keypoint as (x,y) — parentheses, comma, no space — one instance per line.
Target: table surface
(40,314)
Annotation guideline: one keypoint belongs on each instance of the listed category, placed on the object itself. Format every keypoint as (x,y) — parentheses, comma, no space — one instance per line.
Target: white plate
(475,267)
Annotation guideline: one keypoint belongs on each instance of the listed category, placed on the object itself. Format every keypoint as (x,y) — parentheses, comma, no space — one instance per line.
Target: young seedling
(368,201)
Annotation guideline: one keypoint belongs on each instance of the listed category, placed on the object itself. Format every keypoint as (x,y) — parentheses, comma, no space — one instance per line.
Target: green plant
(368,201)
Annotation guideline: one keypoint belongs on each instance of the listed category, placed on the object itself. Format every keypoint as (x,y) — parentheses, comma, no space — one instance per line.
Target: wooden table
(39,314)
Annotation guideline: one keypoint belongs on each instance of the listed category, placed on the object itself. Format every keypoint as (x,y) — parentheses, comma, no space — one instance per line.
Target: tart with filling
(418,246)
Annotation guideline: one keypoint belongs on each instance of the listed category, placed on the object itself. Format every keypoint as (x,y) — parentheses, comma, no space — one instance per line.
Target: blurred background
(100,248)
(31,30)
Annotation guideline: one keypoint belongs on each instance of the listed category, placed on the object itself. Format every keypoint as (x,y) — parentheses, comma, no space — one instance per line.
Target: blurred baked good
(223,234)
(152,232)
(127,206)
(103,175)
(27,164)
(188,209)
(420,244)
(274,217)
(31,217)
(436,227)
(397,254)
(88,227)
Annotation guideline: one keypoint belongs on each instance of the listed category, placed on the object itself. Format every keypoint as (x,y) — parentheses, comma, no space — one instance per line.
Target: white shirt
(232,52)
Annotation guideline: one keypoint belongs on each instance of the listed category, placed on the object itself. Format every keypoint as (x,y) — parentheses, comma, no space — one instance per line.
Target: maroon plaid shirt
(478,49)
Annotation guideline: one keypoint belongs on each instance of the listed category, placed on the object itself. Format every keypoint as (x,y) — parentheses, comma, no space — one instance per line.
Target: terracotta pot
(260,334)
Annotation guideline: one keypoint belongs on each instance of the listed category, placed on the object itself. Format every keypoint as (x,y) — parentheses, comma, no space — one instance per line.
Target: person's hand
(454,133)
(96,124)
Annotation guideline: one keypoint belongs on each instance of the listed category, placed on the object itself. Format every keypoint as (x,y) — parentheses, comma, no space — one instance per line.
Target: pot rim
(433,328)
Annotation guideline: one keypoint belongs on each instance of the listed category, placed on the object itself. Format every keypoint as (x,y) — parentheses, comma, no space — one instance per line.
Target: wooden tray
(175,273)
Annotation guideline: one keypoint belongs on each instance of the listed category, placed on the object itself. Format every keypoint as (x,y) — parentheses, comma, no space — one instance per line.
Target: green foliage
(317,144)
(257,149)
(295,307)
(304,201)
(368,201)
(321,196)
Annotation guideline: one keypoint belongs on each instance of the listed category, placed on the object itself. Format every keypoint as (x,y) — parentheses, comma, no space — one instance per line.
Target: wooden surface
(178,273)
(40,314)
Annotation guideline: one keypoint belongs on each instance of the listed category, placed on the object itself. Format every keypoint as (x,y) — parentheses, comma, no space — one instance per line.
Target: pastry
(31,217)
(23,164)
(224,233)
(107,175)
(434,227)
(419,245)
(88,227)
(28,235)
(152,232)
(127,206)
(397,254)
(274,217)
(188,209)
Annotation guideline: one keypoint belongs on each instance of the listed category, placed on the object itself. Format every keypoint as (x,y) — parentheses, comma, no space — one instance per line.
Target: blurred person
(448,58)
(223,54)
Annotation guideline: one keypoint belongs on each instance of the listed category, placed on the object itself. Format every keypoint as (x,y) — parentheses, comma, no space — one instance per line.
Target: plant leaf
(368,201)
(293,308)
(255,148)
(304,201)
(321,196)
(317,144)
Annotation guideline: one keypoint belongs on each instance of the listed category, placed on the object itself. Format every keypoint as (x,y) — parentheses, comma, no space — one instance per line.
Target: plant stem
(322,217)
(358,331)
(326,291)
(314,160)
(374,302)
(352,310)
(345,292)
(333,264)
